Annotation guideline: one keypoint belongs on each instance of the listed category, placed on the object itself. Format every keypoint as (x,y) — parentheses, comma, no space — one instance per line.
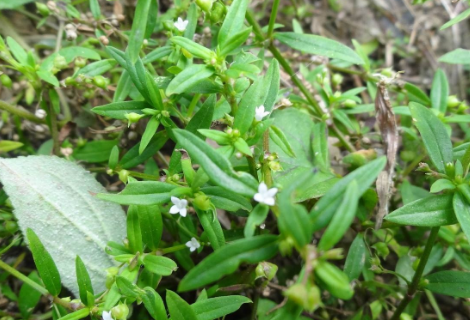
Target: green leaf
(235,41)
(134,234)
(227,259)
(113,158)
(462,212)
(334,280)
(151,225)
(126,287)
(6,146)
(451,283)
(44,263)
(247,106)
(123,88)
(95,151)
(154,304)
(95,9)
(97,68)
(279,138)
(214,308)
(342,219)
(415,94)
(150,130)
(432,211)
(216,166)
(18,52)
(157,54)
(192,17)
(324,209)
(233,22)
(439,91)
(462,16)
(118,110)
(434,135)
(84,281)
(8,5)
(256,218)
(82,219)
(160,265)
(29,297)
(212,228)
(48,77)
(79,314)
(318,45)
(194,48)
(226,200)
(144,193)
(442,184)
(179,309)
(188,77)
(356,258)
(457,56)
(132,158)
(243,147)
(320,146)
(138,28)
(271,83)
(218,136)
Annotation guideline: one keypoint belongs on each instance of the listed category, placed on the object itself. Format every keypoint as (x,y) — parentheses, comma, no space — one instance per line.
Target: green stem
(193,104)
(268,178)
(413,287)
(23,278)
(272,19)
(173,249)
(54,130)
(20,113)
(143,176)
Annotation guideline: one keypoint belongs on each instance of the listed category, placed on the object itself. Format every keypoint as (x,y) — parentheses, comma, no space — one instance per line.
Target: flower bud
(60,62)
(80,62)
(205,5)
(286,245)
(123,175)
(133,117)
(43,9)
(382,249)
(337,79)
(104,40)
(266,269)
(100,82)
(450,169)
(452,101)
(120,312)
(11,226)
(349,103)
(6,80)
(168,25)
(217,12)
(201,201)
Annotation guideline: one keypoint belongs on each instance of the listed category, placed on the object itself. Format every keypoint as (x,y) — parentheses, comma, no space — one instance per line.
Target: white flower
(260,113)
(264,195)
(193,244)
(107,315)
(179,206)
(40,113)
(181,24)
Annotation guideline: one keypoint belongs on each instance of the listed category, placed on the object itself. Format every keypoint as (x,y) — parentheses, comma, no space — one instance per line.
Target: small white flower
(264,195)
(107,315)
(193,244)
(260,113)
(181,24)
(40,113)
(179,206)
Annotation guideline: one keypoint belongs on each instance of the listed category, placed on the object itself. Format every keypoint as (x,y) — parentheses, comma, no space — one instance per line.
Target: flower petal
(262,188)
(270,201)
(174,209)
(259,197)
(183,212)
(271,192)
(175,200)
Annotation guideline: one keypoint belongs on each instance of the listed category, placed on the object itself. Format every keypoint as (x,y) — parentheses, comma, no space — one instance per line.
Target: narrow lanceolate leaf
(179,308)
(451,283)
(457,56)
(160,265)
(226,200)
(324,209)
(212,228)
(434,134)
(134,234)
(118,110)
(37,187)
(462,212)
(271,84)
(97,68)
(151,225)
(149,132)
(432,211)
(189,77)
(256,218)
(139,26)
(439,91)
(216,166)
(132,158)
(227,259)
(318,45)
(334,280)
(246,109)
(233,22)
(44,263)
(194,48)
(144,193)
(342,218)
(415,94)
(84,281)
(235,41)
(279,138)
(215,308)
(462,16)
(154,304)
(356,258)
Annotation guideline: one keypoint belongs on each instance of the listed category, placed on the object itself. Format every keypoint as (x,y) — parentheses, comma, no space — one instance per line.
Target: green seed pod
(6,80)
(201,201)
(297,293)
(60,62)
(217,12)
(349,103)
(80,62)
(205,5)
(11,226)
(334,280)
(337,79)
(286,245)
(133,117)
(100,82)
(267,270)
(43,9)
(120,312)
(452,101)
(123,175)
(168,25)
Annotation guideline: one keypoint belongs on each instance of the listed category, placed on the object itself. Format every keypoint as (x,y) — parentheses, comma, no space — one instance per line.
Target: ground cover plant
(202,160)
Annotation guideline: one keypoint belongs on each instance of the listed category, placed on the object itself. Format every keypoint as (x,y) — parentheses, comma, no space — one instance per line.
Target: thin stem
(272,19)
(268,179)
(23,278)
(60,32)
(145,176)
(193,104)
(20,113)
(172,249)
(413,287)
(54,130)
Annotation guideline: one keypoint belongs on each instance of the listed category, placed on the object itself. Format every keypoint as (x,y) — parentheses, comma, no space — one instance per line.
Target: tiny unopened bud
(43,9)
(40,113)
(120,312)
(104,40)
(67,152)
(123,175)
(60,62)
